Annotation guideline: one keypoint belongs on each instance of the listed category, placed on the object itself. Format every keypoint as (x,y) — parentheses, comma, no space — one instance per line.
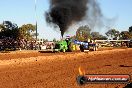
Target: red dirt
(30,69)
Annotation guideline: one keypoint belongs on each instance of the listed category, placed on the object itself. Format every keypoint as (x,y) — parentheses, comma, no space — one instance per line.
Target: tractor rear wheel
(70,47)
(81,48)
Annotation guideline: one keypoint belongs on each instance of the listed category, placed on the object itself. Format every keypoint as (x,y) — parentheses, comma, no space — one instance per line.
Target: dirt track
(46,70)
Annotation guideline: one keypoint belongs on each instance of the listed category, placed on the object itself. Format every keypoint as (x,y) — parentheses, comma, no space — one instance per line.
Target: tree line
(84,33)
(27,32)
(9,29)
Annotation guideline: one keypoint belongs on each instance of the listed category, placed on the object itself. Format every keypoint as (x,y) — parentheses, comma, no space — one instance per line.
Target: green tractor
(64,45)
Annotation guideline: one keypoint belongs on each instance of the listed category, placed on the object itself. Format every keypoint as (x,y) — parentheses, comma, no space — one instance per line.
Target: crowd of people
(8,43)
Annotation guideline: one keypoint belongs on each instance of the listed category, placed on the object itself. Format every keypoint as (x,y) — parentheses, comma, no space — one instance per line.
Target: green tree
(9,29)
(98,36)
(27,31)
(83,33)
(103,37)
(2,28)
(130,29)
(95,35)
(125,35)
(113,34)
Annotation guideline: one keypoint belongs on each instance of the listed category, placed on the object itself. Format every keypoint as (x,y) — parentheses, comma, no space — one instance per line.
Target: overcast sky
(22,12)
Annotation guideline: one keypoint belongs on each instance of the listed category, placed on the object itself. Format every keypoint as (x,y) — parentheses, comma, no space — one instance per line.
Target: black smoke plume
(65,12)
